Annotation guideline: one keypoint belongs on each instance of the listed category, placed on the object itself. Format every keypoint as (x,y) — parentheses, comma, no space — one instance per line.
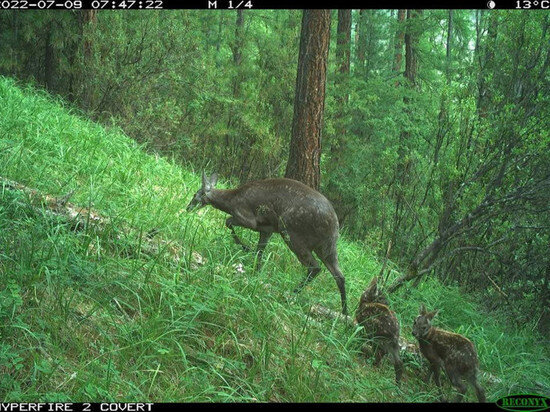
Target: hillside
(90,315)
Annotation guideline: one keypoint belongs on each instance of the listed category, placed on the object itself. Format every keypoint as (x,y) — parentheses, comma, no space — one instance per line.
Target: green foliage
(403,159)
(91,315)
(417,159)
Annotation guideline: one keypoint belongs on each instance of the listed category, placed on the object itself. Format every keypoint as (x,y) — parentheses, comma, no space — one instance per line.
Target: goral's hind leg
(456,380)
(393,350)
(379,353)
(330,260)
(480,392)
(313,269)
(305,257)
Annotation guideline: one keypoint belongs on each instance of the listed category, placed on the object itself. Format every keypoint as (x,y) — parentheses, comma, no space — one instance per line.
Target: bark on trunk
(309,102)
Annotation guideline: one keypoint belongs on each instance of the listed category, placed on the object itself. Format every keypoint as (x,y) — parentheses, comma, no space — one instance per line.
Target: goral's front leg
(230,224)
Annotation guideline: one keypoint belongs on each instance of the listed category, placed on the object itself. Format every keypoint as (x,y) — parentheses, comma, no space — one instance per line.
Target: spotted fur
(381,326)
(450,351)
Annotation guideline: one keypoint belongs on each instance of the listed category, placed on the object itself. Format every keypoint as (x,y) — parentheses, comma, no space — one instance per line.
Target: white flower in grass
(238,267)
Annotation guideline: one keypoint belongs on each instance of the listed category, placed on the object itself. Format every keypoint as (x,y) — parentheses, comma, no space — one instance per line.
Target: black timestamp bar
(80,4)
(78,407)
(533,4)
(229,4)
(40,4)
(260,4)
(127,4)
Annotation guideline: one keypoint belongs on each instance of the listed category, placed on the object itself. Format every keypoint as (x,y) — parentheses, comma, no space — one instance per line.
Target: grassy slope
(87,316)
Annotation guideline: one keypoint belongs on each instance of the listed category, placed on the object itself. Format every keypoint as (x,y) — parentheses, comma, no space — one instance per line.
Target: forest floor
(102,312)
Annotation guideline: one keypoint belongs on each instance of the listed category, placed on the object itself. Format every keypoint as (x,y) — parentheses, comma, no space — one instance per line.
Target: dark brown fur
(381,325)
(448,350)
(304,217)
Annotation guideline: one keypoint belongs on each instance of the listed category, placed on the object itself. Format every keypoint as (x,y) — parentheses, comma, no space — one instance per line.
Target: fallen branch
(81,217)
(321,311)
(58,206)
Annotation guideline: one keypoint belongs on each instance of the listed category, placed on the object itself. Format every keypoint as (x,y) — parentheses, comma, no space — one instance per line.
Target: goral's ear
(422,309)
(371,288)
(373,282)
(213,179)
(432,314)
(204,180)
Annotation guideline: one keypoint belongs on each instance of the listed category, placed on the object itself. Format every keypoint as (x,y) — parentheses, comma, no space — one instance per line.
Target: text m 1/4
(213,4)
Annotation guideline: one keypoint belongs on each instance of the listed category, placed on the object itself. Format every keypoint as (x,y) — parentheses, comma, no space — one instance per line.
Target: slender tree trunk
(14,51)
(443,117)
(89,17)
(411,45)
(236,148)
(404,166)
(360,41)
(220,29)
(449,46)
(309,102)
(343,51)
(343,42)
(49,59)
(399,40)
(487,47)
(88,22)
(238,51)
(370,37)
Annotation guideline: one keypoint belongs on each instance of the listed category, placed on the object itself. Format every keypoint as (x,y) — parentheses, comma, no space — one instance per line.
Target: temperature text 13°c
(529,4)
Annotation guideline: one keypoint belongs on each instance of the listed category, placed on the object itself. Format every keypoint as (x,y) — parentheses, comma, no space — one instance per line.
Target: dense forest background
(435,135)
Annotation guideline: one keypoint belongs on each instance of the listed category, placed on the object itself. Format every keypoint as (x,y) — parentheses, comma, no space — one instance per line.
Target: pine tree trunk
(237,51)
(411,45)
(49,62)
(343,43)
(88,22)
(309,102)
(237,149)
(360,41)
(449,46)
(399,40)
(343,40)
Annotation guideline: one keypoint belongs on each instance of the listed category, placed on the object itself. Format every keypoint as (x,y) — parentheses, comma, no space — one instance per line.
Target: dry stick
(499,290)
(322,311)
(80,216)
(58,206)
(506,298)
(384,264)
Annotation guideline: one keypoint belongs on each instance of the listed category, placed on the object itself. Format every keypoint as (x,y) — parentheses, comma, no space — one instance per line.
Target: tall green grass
(91,315)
